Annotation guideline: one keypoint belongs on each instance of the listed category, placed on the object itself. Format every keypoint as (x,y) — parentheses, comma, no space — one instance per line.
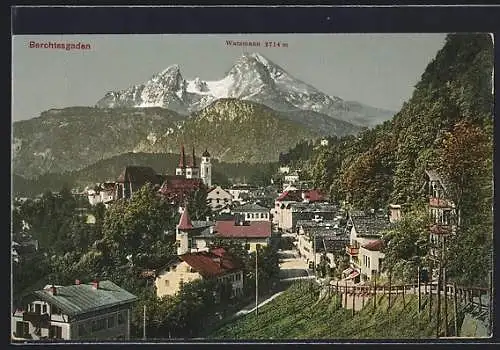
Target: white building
(218,198)
(96,311)
(371,259)
(252,212)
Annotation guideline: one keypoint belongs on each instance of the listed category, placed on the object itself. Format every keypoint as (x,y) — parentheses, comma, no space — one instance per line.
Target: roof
(314,196)
(369,224)
(185,221)
(435,176)
(292,196)
(79,299)
(375,246)
(252,229)
(250,207)
(314,207)
(211,264)
(205,154)
(139,175)
(179,182)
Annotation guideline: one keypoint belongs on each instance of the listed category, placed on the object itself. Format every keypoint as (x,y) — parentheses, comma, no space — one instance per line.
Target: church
(192,171)
(188,177)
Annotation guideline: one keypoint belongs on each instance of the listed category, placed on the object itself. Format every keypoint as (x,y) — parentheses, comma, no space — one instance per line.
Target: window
(167,283)
(111,321)
(22,329)
(38,308)
(55,310)
(218,200)
(262,215)
(247,246)
(55,332)
(178,243)
(44,309)
(121,318)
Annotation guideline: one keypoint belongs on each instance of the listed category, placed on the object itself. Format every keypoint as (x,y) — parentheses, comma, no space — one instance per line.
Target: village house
(252,212)
(284,214)
(241,192)
(193,236)
(133,178)
(365,228)
(442,211)
(95,311)
(318,238)
(371,259)
(212,264)
(249,233)
(291,179)
(102,193)
(218,198)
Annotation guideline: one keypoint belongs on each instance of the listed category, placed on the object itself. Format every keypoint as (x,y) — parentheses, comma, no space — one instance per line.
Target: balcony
(440,202)
(36,319)
(352,250)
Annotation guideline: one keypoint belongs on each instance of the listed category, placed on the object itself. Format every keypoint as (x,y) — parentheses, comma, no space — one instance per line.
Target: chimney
(77,282)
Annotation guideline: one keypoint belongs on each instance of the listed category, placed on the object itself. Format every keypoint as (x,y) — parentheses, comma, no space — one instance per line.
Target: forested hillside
(447,125)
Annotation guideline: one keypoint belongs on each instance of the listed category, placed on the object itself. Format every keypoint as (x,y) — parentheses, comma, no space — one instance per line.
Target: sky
(379,70)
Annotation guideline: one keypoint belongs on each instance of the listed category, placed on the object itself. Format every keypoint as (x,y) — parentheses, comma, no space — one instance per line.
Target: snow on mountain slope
(253,77)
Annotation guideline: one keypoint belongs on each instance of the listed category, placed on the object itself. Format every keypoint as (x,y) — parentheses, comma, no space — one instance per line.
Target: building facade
(96,311)
(218,198)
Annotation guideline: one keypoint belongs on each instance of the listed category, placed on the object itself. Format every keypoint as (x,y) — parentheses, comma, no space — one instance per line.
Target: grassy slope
(298,315)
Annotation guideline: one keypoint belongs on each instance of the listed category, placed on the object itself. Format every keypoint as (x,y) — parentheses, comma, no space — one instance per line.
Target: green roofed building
(93,311)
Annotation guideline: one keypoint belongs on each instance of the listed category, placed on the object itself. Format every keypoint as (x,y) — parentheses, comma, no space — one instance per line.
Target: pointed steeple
(185,221)
(194,160)
(182,160)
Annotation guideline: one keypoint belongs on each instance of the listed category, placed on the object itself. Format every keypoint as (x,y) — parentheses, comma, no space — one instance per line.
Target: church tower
(183,241)
(181,169)
(206,169)
(192,171)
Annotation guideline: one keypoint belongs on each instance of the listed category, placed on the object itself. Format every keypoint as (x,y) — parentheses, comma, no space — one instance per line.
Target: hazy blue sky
(376,69)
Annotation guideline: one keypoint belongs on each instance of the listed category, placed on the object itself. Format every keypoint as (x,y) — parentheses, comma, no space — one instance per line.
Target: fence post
(337,288)
(455,309)
(438,316)
(445,303)
(404,303)
(430,302)
(390,289)
(363,297)
(375,295)
(490,304)
(353,299)
(418,286)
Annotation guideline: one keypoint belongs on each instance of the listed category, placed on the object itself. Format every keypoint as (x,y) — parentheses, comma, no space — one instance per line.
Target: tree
(197,204)
(407,245)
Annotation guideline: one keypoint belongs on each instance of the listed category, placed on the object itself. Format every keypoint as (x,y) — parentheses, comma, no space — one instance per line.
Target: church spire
(182,160)
(194,160)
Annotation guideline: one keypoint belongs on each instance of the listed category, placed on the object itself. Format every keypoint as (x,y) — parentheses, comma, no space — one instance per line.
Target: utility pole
(144,324)
(418,286)
(256,283)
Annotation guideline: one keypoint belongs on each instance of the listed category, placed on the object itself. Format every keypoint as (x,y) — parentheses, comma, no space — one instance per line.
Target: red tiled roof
(185,221)
(218,251)
(252,229)
(209,264)
(314,196)
(374,246)
(295,196)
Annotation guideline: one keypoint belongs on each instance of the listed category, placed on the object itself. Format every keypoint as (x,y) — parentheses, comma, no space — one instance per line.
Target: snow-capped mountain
(253,77)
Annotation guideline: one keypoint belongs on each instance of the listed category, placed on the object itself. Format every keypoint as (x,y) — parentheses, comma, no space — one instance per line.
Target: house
(311,211)
(252,212)
(318,239)
(291,179)
(193,236)
(94,311)
(214,264)
(442,211)
(371,259)
(102,193)
(217,198)
(282,207)
(364,227)
(133,178)
(249,233)
(395,212)
(241,192)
